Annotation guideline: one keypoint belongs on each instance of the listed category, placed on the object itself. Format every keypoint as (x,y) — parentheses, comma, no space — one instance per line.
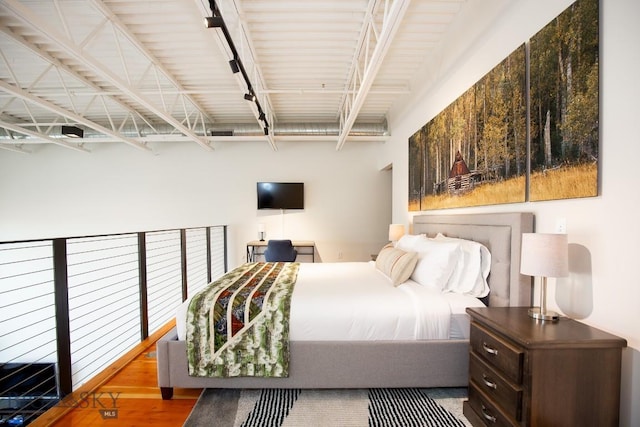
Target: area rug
(328,408)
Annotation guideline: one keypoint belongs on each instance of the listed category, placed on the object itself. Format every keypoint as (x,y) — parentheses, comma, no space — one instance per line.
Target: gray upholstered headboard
(501,233)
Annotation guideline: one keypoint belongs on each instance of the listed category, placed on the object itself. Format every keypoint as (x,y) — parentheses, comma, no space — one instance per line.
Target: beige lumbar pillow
(396,263)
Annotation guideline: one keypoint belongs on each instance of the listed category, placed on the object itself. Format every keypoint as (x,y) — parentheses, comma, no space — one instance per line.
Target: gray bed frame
(360,364)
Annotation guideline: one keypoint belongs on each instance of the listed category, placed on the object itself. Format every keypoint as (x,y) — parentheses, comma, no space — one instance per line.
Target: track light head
(249,97)
(266,130)
(262,116)
(213,21)
(235,66)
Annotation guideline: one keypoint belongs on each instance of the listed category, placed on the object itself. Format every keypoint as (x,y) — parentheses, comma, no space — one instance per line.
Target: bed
(397,361)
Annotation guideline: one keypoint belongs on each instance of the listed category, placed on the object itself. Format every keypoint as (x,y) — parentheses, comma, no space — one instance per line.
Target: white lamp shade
(544,255)
(396,231)
(261,228)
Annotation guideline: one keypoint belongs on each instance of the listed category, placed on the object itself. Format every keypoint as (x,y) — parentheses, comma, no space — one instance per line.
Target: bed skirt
(334,364)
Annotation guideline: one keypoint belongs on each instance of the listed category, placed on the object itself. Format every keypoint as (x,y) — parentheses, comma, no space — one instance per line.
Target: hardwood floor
(126,394)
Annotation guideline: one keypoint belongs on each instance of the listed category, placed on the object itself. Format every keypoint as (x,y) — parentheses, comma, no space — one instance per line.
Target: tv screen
(280,195)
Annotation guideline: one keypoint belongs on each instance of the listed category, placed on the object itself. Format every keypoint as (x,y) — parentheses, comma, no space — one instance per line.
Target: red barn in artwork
(459,166)
(459,175)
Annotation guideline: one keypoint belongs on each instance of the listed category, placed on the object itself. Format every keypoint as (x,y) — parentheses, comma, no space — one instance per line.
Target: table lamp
(396,231)
(261,231)
(545,255)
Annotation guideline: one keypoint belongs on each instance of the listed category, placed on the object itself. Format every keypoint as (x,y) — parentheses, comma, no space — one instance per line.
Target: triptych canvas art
(526,131)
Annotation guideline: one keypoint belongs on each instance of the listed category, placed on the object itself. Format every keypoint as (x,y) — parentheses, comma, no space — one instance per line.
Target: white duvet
(353,301)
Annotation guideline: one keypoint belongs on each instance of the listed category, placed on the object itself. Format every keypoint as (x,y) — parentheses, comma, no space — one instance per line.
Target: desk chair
(280,251)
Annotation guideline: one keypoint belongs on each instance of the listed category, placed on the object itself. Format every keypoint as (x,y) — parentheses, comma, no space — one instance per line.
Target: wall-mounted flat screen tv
(280,195)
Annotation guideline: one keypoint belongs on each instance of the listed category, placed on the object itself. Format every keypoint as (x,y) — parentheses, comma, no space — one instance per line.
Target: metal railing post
(208,237)
(61,292)
(183,263)
(224,237)
(142,272)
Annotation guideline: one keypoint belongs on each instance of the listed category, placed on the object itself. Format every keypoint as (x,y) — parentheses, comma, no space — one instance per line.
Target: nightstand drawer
(497,388)
(489,413)
(497,352)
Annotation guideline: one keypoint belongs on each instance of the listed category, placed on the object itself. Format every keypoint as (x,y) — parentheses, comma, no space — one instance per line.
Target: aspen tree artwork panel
(564,58)
(474,152)
(506,140)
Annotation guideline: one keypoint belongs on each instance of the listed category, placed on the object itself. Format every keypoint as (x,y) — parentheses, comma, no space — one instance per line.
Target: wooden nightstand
(524,372)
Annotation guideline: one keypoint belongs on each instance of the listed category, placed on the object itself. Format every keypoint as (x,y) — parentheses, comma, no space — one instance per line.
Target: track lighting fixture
(235,66)
(213,22)
(72,131)
(216,21)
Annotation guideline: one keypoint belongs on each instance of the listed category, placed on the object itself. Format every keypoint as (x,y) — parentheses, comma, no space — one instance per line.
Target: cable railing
(197,270)
(104,303)
(28,380)
(70,307)
(163,271)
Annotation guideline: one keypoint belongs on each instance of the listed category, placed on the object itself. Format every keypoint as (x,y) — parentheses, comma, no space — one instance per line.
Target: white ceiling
(143,71)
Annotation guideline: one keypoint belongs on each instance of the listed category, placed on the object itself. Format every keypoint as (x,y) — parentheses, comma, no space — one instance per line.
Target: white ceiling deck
(138,72)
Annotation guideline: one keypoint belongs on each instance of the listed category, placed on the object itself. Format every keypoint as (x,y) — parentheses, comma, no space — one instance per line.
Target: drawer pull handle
(487,415)
(489,349)
(488,382)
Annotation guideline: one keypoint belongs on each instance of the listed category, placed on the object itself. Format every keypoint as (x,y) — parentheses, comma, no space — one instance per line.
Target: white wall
(604,288)
(56,192)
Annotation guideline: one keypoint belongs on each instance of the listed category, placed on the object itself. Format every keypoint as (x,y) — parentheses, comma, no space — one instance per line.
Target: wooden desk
(256,248)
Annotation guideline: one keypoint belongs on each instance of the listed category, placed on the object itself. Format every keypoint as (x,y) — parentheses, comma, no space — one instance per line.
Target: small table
(254,248)
(524,372)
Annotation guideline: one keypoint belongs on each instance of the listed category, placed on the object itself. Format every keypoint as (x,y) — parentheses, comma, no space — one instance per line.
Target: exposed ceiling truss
(366,64)
(142,73)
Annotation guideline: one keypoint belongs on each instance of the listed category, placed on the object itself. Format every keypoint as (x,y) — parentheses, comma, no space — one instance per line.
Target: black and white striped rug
(353,407)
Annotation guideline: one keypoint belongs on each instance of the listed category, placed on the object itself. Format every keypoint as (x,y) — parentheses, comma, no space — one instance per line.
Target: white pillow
(436,261)
(408,241)
(396,263)
(470,273)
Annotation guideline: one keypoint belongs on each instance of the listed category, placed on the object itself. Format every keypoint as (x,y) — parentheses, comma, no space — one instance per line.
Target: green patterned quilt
(239,325)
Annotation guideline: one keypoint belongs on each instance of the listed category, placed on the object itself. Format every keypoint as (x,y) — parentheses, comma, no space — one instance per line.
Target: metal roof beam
(47,138)
(353,103)
(157,64)
(37,24)
(95,90)
(20,93)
